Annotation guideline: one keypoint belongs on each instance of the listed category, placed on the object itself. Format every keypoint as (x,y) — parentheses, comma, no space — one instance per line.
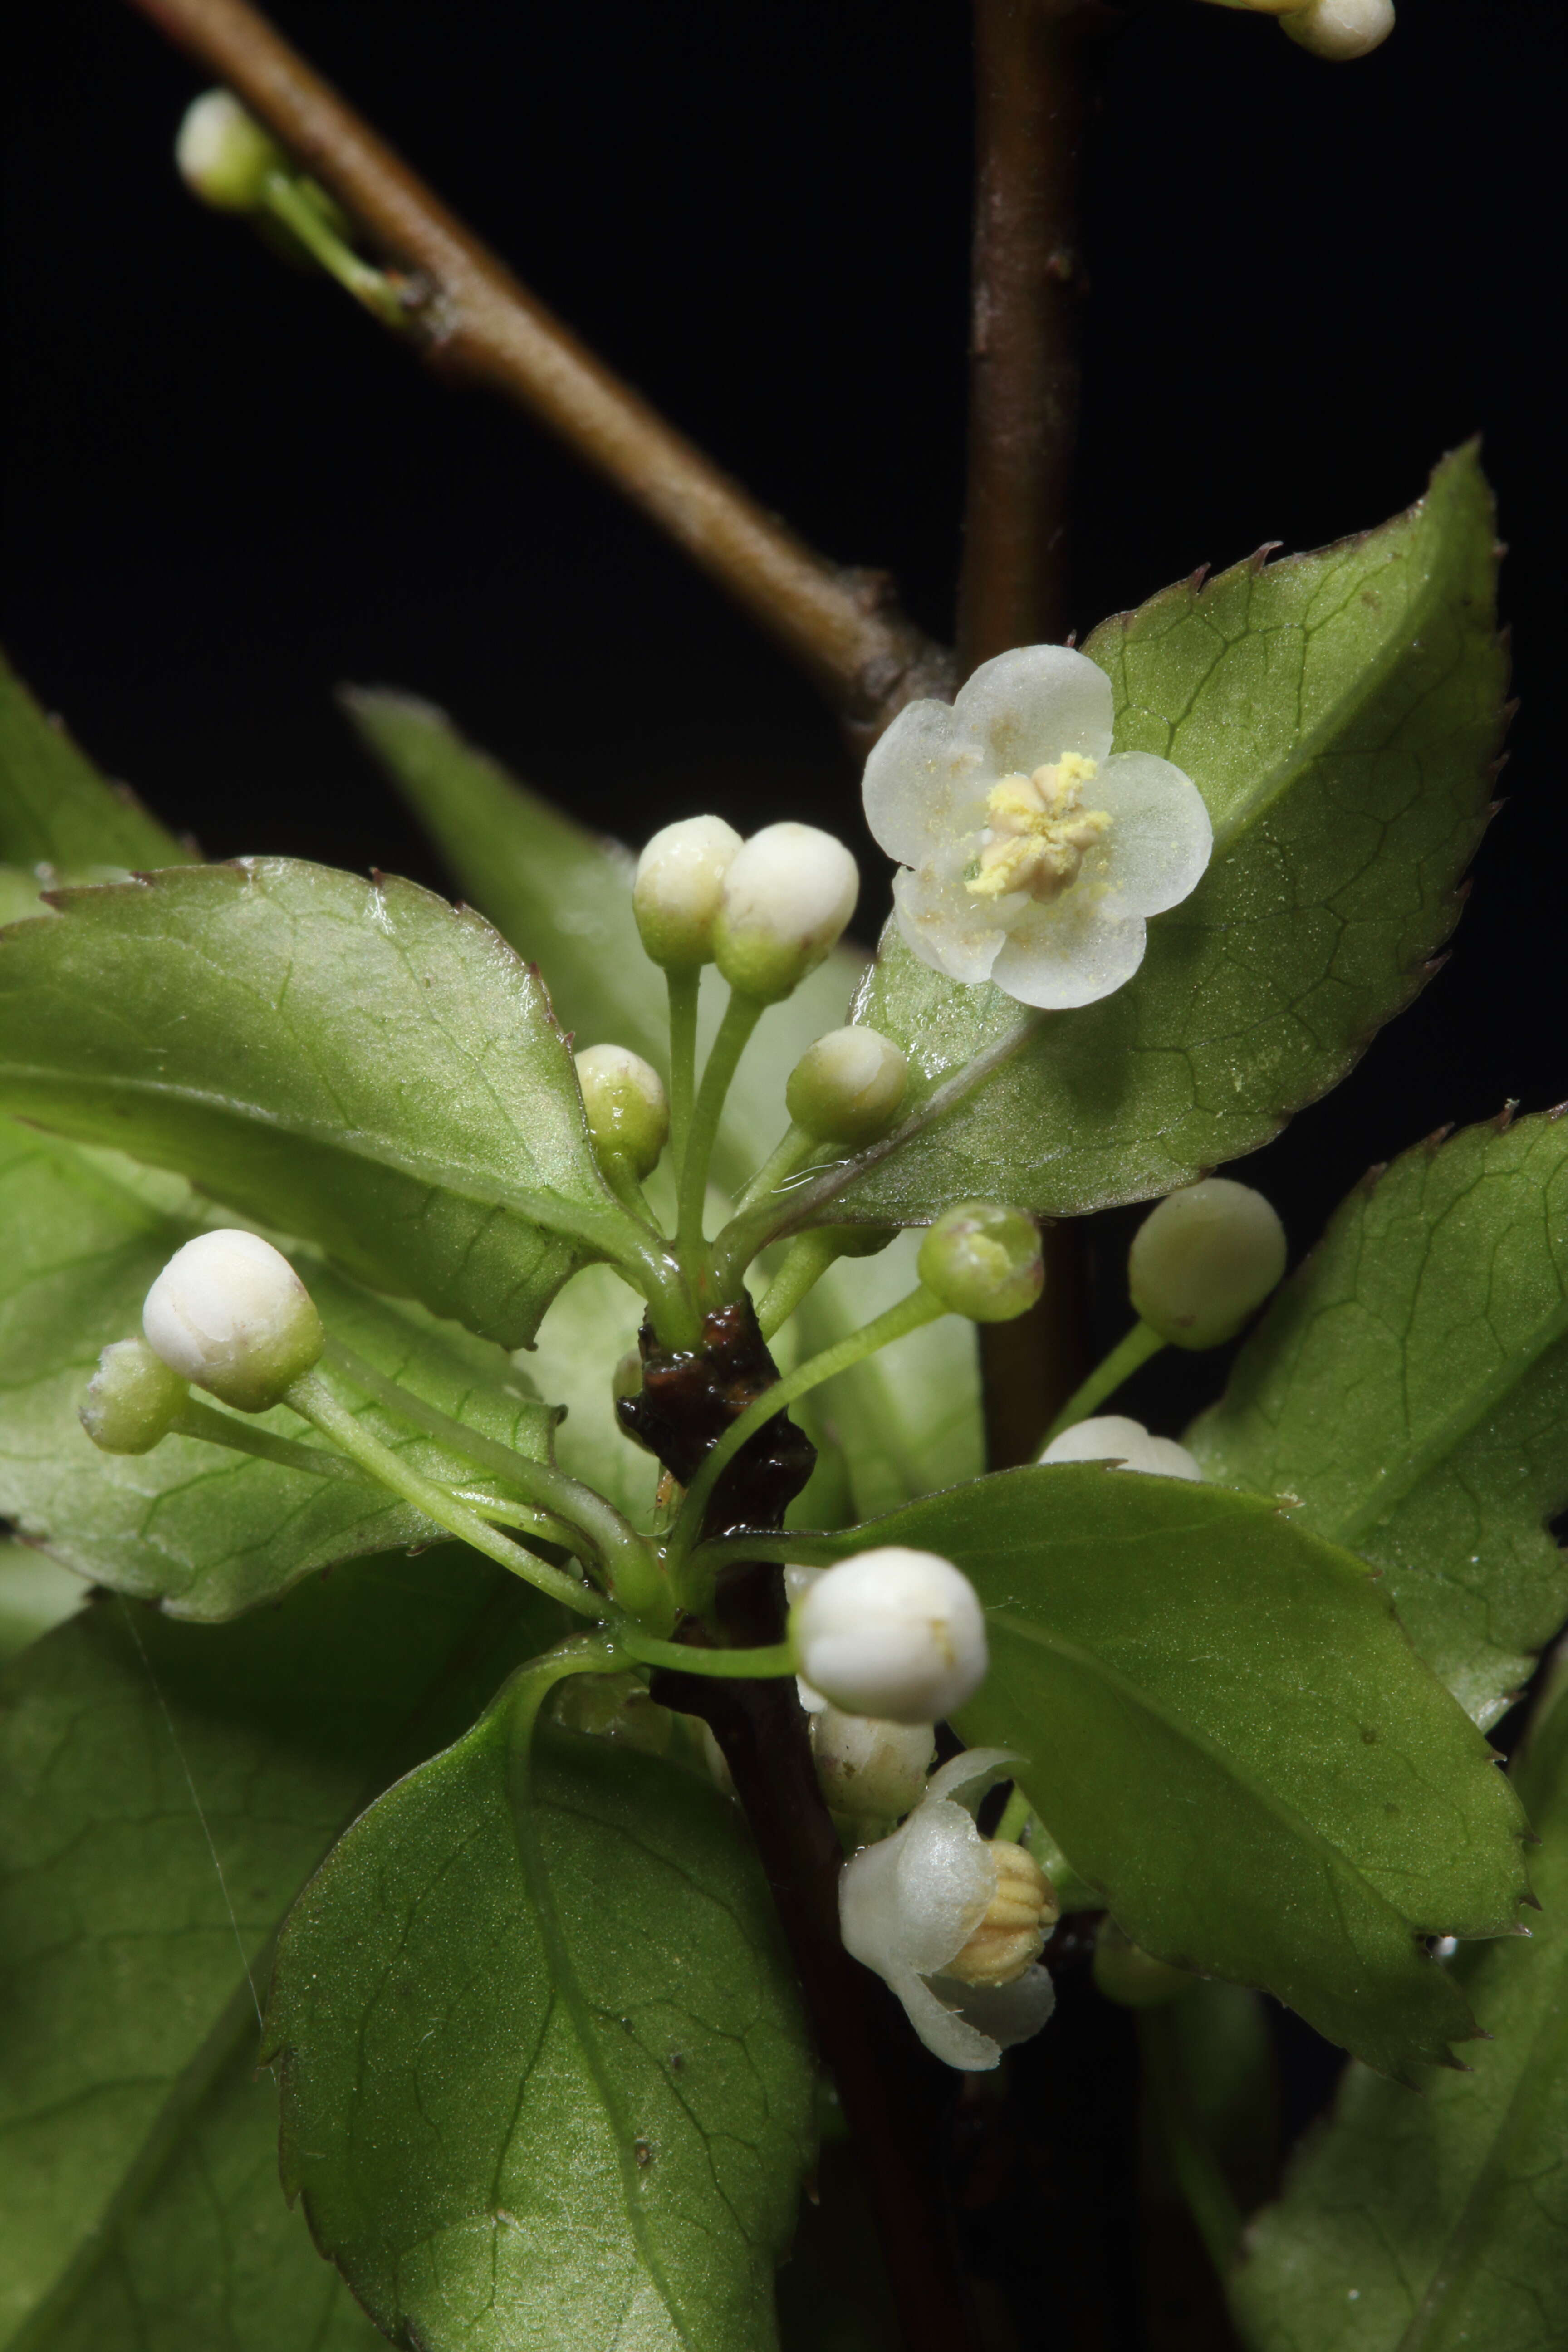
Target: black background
(225,490)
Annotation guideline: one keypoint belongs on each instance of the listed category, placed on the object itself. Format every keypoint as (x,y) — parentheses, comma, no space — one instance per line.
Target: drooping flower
(1032,855)
(1126,1445)
(953,1924)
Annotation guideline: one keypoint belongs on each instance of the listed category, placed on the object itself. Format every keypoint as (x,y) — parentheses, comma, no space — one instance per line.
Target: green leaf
(357,1064)
(56,809)
(1410,1386)
(1427,2224)
(1341,713)
(562,897)
(136,2150)
(206,1531)
(1228,1734)
(36,1595)
(543,2078)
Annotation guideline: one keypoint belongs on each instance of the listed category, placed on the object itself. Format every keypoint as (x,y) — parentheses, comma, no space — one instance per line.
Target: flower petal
(946,2034)
(945,925)
(972,1768)
(920,779)
(914,1900)
(1161,839)
(1070,952)
(1027,707)
(1006,2014)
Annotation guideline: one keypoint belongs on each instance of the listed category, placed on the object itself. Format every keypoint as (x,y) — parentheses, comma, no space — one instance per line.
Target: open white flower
(908,1907)
(1032,853)
(1112,1437)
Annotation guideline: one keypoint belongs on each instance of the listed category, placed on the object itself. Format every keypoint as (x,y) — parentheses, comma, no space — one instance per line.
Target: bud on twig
(847,1087)
(223,155)
(628,1112)
(131,1399)
(787,897)
(984,1261)
(894,1633)
(679,888)
(229,1313)
(1204,1260)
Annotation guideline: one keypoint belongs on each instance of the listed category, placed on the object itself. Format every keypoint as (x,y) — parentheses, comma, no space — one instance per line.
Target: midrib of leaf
(563,1978)
(1266,1800)
(1379,1506)
(1541,2078)
(237,2019)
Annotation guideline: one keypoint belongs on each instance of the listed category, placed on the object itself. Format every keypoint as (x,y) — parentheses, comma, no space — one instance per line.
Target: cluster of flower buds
(1338,30)
(849,1087)
(767,910)
(892,1633)
(1203,1260)
(625,1105)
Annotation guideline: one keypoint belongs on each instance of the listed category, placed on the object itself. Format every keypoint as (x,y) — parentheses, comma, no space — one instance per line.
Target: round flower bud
(1012,1936)
(984,1261)
(131,1399)
(1204,1260)
(871,1772)
(894,1633)
(847,1087)
(230,1312)
(1340,29)
(1132,1977)
(623,1097)
(787,897)
(679,887)
(1111,1437)
(223,154)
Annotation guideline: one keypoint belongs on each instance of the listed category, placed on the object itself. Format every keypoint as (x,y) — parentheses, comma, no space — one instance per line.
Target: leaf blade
(56,810)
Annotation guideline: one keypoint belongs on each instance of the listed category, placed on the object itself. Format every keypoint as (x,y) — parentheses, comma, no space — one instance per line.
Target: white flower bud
(131,1399)
(1340,29)
(787,897)
(1204,1260)
(230,1312)
(679,887)
(849,1087)
(223,154)
(912,1906)
(894,1633)
(984,1261)
(870,1770)
(628,1110)
(1111,1437)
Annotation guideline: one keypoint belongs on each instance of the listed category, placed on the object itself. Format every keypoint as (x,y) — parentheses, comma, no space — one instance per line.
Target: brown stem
(1031,105)
(894,2097)
(477,324)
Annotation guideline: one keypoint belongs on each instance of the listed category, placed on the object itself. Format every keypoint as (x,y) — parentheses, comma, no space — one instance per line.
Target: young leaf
(1410,1387)
(1425,2224)
(56,809)
(1228,1734)
(358,1063)
(540,2056)
(206,1531)
(1341,713)
(138,2169)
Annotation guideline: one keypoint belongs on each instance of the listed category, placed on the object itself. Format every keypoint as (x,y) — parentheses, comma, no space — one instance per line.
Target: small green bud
(984,1261)
(1204,1260)
(1340,29)
(1132,1977)
(131,1399)
(223,155)
(229,1313)
(787,897)
(679,888)
(628,1114)
(847,1087)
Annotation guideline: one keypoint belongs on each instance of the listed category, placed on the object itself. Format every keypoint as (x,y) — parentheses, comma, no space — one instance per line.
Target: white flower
(908,1907)
(1125,1443)
(894,1633)
(1031,853)
(1340,29)
(230,1312)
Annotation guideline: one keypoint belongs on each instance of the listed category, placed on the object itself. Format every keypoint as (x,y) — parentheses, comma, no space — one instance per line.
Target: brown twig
(476,323)
(1031,100)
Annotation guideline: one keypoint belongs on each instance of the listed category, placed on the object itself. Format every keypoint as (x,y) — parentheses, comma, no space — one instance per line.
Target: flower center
(1038,832)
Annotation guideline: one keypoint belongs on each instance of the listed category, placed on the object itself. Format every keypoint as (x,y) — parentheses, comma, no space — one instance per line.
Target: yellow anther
(1013,1933)
(1038,832)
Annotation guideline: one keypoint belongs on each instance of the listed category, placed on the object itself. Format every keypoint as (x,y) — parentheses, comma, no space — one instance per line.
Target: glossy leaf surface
(206,1531)
(358,1064)
(544,2082)
(1229,1735)
(1410,1386)
(1341,713)
(56,809)
(138,2150)
(1434,2223)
